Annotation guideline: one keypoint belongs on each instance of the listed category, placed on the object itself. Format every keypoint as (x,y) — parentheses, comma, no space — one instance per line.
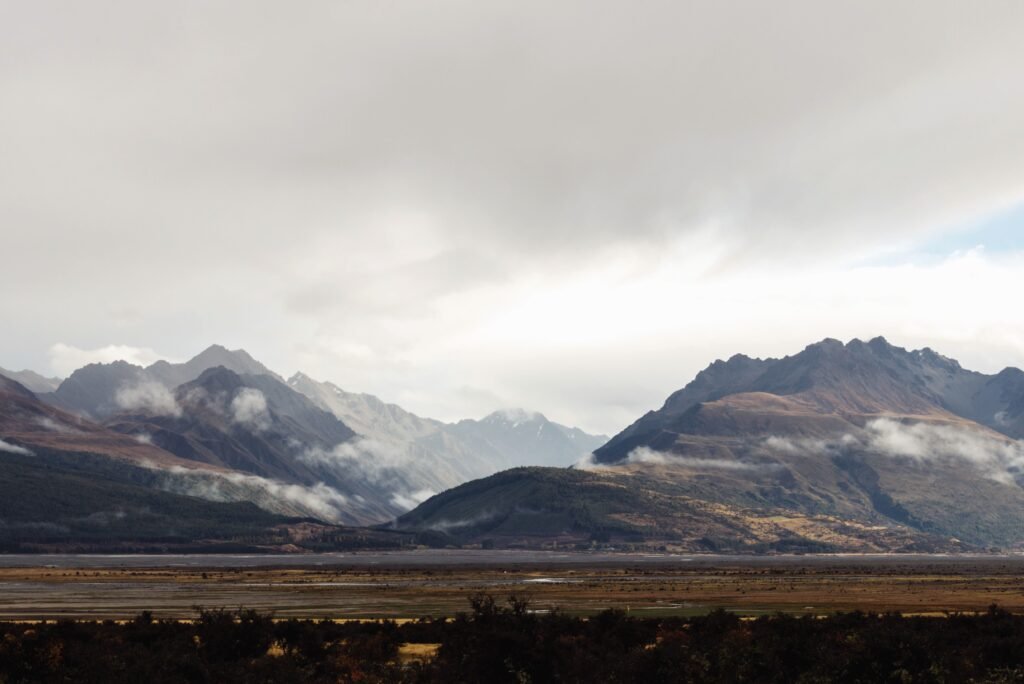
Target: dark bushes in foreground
(505,642)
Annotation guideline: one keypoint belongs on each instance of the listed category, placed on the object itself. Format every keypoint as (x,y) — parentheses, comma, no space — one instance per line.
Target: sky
(566,206)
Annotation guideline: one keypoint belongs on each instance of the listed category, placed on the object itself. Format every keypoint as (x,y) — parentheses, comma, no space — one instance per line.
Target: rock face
(854,446)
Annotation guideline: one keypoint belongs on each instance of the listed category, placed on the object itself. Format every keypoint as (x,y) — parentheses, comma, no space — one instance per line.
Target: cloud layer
(570,206)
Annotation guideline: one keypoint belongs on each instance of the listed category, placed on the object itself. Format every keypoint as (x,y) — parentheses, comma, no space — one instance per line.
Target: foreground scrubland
(505,641)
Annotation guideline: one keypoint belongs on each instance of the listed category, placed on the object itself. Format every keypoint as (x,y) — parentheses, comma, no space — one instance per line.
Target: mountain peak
(1010,372)
(933,357)
(237,360)
(11,385)
(217,351)
(300,377)
(514,415)
(218,377)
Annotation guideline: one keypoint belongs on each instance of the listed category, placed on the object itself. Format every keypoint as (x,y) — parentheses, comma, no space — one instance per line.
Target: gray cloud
(394,190)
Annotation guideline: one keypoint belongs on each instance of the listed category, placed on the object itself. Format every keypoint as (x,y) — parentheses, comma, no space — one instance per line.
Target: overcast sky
(462,206)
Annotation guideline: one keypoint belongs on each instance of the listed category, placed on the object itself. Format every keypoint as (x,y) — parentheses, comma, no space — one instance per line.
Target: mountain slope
(632,507)
(31,380)
(880,438)
(68,484)
(65,480)
(999,403)
(49,503)
(35,426)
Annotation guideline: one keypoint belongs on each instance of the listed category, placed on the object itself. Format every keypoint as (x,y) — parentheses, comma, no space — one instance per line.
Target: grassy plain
(750,588)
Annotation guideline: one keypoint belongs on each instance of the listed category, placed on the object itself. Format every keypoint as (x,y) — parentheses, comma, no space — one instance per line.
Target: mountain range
(224,428)
(862,446)
(855,447)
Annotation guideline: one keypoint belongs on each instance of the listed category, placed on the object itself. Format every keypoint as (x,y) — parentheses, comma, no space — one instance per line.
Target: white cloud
(806,446)
(375,459)
(65,358)
(994,455)
(393,467)
(14,449)
(648,456)
(318,500)
(446,524)
(150,397)
(51,425)
(411,500)
(249,408)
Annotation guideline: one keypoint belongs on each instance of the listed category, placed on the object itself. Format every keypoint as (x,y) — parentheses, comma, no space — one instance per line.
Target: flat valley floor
(437,583)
